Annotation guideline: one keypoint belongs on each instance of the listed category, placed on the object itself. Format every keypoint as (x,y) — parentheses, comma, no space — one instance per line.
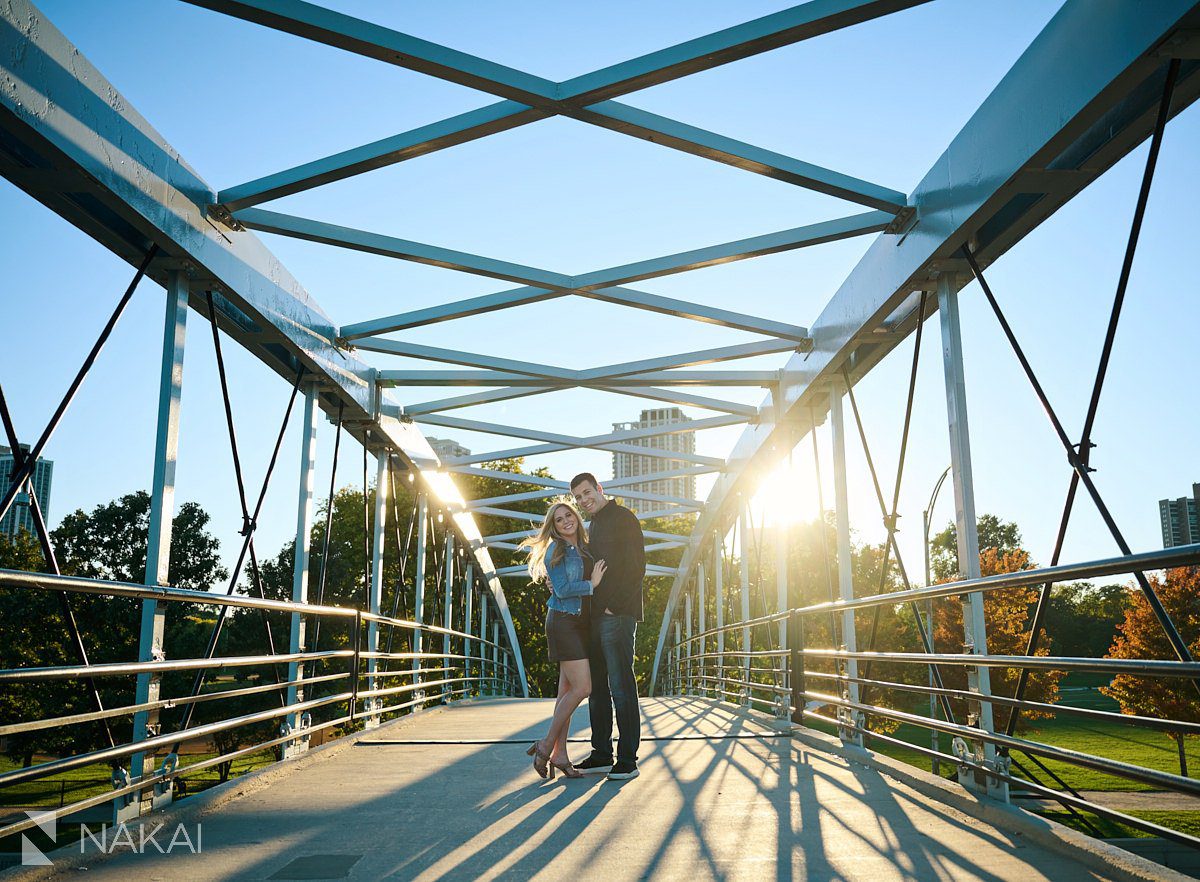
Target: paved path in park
(405,803)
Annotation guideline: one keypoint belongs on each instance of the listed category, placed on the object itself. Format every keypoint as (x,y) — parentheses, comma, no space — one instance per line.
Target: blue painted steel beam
(384,44)
(666,132)
(470,126)
(482,378)
(741,249)
(448,312)
(390,246)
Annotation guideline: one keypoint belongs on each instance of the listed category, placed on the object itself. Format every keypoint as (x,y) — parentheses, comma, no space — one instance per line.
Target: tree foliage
(1008,614)
(1141,636)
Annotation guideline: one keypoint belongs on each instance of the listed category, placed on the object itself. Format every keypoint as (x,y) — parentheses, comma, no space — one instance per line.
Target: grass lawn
(77,784)
(1111,740)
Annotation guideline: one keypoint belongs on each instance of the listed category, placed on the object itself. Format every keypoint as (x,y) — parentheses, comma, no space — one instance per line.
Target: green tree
(107,543)
(1004,536)
(1141,636)
(1082,619)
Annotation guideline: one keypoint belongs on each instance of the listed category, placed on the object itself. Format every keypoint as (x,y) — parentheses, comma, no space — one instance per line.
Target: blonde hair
(538,544)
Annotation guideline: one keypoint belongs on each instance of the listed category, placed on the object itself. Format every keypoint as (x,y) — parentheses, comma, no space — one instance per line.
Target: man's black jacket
(616,538)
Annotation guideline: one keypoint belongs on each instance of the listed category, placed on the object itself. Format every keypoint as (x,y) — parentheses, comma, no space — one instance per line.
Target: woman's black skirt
(566,635)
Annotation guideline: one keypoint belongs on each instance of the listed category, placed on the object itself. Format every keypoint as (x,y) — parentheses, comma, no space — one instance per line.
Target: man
(615,537)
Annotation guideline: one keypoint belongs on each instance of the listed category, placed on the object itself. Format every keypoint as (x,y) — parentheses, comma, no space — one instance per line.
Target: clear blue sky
(879,101)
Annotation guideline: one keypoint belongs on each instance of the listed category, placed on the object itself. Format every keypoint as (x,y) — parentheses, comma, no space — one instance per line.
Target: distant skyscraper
(1180,519)
(447,449)
(631,465)
(19,516)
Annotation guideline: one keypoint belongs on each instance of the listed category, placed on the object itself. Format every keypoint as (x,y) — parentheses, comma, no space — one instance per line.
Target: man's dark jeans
(613,685)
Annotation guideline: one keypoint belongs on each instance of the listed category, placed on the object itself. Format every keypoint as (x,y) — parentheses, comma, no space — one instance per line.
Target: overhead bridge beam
(504,378)
(529,98)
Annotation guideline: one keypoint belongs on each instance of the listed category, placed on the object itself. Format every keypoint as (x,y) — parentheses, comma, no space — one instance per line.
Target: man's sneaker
(623,771)
(594,764)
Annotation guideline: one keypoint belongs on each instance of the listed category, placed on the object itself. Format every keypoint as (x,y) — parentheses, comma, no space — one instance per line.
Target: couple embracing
(595,604)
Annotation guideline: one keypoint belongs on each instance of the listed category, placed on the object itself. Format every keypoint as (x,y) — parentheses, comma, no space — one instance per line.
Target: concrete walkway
(757,808)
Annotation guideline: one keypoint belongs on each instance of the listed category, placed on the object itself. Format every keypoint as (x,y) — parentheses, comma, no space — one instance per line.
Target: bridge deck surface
(718,808)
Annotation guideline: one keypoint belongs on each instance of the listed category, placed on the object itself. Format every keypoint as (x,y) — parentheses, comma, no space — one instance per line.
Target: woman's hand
(598,572)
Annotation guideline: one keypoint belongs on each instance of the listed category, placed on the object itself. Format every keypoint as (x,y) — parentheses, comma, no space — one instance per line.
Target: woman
(558,557)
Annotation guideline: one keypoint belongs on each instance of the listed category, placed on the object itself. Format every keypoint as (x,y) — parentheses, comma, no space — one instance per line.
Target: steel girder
(123,184)
(1083,95)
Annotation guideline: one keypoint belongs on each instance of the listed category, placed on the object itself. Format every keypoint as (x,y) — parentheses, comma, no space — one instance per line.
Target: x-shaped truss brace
(588,98)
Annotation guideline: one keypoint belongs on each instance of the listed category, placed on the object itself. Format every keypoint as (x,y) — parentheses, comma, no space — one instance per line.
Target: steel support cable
(21,474)
(926,636)
(248,525)
(64,600)
(337,443)
(890,518)
(1078,457)
(215,635)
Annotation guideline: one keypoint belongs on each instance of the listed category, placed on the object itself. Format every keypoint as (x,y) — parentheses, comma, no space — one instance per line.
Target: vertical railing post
(852,720)
(371,707)
(678,659)
(744,573)
(448,614)
(304,521)
(688,650)
(468,619)
(796,676)
(485,685)
(719,599)
(158,540)
(701,615)
(974,620)
(418,641)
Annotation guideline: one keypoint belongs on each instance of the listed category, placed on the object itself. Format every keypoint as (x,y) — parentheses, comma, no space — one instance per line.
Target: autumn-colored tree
(1007,612)
(1141,636)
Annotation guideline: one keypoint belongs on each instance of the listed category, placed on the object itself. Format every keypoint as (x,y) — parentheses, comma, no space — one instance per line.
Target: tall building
(447,449)
(1180,519)
(19,516)
(630,465)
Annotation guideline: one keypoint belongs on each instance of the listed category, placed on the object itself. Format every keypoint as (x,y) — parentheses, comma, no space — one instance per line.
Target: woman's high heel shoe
(539,767)
(568,770)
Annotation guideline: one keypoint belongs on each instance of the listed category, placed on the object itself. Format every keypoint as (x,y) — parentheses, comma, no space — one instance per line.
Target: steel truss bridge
(1102,78)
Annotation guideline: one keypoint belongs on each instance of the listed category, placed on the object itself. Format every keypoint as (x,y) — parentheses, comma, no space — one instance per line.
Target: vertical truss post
(700,619)
(304,524)
(496,656)
(744,574)
(781,595)
(158,539)
(419,590)
(974,621)
(678,652)
(468,623)
(719,599)
(687,614)
(483,647)
(852,720)
(371,709)
(448,614)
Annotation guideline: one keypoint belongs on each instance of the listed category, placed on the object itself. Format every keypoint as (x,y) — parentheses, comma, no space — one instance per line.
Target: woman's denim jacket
(568,587)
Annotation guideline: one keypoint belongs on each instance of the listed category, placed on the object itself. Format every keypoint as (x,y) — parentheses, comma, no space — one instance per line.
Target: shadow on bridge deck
(718,808)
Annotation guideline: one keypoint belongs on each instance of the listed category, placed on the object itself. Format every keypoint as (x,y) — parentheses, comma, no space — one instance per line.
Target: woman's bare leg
(577,676)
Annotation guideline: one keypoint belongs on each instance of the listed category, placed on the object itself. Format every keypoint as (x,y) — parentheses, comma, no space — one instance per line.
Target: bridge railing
(828,685)
(349,685)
